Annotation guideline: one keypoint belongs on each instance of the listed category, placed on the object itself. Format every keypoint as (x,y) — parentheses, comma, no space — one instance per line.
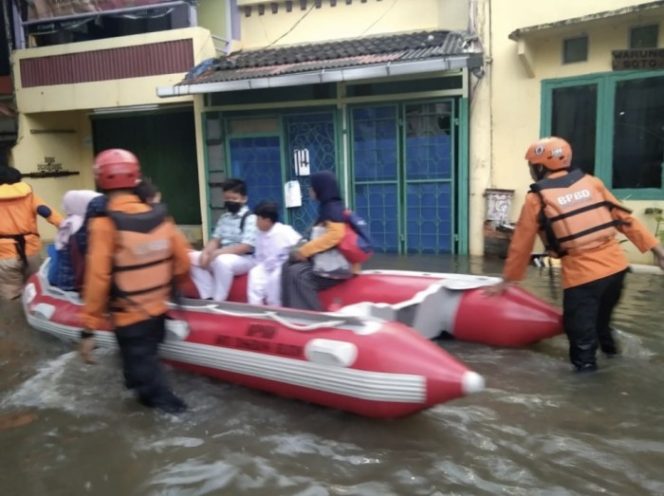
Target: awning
(329,62)
(636,11)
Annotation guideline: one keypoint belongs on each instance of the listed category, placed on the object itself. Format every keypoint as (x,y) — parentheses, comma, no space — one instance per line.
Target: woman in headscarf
(66,260)
(146,191)
(300,284)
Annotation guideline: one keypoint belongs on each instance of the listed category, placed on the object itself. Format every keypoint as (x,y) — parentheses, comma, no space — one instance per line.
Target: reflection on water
(68,428)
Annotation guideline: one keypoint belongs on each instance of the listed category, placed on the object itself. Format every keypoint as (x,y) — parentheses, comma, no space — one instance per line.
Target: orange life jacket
(143,260)
(19,222)
(574,216)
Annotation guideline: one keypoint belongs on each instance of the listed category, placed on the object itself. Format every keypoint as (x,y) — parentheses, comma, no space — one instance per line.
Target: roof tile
(331,54)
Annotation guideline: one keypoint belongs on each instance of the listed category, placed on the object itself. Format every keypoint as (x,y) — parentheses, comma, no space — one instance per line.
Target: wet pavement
(68,429)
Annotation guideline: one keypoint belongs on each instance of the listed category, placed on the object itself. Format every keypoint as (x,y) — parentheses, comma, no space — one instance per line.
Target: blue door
(265,163)
(257,161)
(314,133)
(403,174)
(428,177)
(376,174)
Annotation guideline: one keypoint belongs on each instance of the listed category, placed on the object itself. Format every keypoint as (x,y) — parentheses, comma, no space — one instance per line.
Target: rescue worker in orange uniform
(20,244)
(134,254)
(577,218)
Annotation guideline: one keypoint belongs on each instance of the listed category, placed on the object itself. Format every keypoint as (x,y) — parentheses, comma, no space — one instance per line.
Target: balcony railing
(49,23)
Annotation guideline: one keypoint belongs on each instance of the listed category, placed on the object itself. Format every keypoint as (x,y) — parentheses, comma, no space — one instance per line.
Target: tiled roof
(329,55)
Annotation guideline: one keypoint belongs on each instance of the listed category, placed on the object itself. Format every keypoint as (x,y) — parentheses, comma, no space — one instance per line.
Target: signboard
(301,162)
(49,168)
(638,58)
(49,9)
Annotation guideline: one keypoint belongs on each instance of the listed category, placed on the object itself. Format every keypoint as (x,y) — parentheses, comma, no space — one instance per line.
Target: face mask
(233,207)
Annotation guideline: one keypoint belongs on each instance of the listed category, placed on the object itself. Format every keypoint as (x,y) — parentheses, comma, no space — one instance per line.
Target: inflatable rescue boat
(437,304)
(358,363)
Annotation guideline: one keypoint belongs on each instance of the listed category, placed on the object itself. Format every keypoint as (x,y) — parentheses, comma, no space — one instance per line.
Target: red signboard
(6,87)
(48,9)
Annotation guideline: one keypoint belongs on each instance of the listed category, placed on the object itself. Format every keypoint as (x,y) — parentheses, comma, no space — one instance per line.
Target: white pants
(216,280)
(264,287)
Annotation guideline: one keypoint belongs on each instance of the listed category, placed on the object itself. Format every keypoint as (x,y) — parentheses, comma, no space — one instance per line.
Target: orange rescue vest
(574,216)
(143,259)
(20,212)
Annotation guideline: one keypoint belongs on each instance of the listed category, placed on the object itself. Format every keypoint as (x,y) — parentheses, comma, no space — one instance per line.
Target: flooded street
(71,429)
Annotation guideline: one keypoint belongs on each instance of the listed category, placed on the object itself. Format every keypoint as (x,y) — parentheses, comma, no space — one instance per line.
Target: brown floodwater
(71,429)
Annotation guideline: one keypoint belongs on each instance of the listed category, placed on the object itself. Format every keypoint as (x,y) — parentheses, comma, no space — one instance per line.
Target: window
(575,50)
(574,117)
(615,124)
(638,133)
(644,36)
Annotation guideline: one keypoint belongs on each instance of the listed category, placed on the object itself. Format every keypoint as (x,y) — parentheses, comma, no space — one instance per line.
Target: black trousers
(139,344)
(587,311)
(300,286)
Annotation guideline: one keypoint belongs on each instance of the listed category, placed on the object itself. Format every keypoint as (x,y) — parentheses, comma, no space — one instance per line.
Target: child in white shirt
(273,243)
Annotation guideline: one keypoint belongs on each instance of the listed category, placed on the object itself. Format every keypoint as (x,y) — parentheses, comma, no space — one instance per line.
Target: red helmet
(553,153)
(116,169)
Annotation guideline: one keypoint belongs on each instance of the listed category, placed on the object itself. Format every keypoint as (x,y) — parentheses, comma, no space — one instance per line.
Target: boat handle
(304,327)
(281,320)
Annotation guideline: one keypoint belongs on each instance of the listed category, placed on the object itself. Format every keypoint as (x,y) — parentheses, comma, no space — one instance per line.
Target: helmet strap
(538,171)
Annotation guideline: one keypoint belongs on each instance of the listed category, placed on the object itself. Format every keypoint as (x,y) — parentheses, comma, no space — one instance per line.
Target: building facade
(591,72)
(375,91)
(418,106)
(85,75)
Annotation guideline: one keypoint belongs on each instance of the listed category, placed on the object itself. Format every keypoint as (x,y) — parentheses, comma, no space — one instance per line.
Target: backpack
(79,242)
(244,219)
(356,244)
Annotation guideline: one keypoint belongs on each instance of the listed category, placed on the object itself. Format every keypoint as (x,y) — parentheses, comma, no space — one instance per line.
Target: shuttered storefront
(165,144)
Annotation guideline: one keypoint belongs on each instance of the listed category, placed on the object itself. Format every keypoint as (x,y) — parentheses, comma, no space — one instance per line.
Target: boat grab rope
(304,327)
(279,319)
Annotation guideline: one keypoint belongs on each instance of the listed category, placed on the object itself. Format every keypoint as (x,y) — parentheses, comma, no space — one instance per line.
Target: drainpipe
(8,26)
(481,153)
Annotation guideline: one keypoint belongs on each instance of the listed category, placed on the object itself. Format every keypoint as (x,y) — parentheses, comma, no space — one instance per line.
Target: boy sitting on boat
(273,243)
(229,252)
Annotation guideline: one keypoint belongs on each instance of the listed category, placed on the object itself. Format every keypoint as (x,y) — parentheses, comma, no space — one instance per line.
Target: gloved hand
(85,347)
(498,289)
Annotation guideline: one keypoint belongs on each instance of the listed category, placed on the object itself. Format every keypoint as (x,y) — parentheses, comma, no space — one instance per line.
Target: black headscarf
(9,175)
(331,207)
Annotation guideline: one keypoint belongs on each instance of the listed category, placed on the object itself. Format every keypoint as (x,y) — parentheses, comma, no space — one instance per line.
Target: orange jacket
(333,235)
(102,250)
(19,208)
(583,266)
(578,217)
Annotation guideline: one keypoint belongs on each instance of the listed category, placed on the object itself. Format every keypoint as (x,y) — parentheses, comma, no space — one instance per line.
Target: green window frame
(606,92)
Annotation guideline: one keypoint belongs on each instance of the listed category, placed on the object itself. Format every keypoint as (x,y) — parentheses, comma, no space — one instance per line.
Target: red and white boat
(361,364)
(436,304)
(369,354)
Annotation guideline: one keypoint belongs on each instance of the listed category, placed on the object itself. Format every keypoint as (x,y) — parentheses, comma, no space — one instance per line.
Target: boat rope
(279,319)
(304,327)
